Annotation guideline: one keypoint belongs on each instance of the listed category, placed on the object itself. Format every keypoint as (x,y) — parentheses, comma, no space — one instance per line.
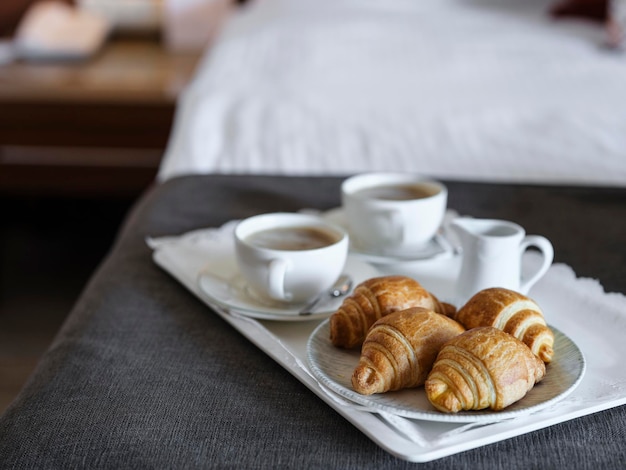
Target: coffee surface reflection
(399,192)
(292,238)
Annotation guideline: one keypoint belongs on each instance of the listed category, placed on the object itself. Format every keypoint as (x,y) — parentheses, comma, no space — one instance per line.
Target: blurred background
(87,99)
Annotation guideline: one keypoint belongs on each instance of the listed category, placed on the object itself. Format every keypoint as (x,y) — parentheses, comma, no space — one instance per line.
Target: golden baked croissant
(375,298)
(512,312)
(400,348)
(482,368)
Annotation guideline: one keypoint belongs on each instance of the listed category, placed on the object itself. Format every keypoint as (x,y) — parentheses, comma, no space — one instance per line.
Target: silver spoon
(341,287)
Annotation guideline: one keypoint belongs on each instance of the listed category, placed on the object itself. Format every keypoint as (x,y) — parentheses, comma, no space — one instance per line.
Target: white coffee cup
(289,257)
(392,213)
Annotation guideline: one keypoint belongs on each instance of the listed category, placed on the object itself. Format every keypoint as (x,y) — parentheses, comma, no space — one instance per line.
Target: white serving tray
(579,308)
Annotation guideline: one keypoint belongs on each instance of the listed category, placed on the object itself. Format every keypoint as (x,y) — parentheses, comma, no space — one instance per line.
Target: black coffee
(397,192)
(292,238)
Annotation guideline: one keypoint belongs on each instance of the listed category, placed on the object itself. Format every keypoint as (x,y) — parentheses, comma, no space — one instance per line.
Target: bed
(484,90)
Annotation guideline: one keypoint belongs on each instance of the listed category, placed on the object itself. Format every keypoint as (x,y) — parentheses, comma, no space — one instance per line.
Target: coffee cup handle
(396,226)
(547,251)
(276,280)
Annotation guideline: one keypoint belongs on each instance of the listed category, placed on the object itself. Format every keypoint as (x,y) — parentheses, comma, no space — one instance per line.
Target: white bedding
(459,89)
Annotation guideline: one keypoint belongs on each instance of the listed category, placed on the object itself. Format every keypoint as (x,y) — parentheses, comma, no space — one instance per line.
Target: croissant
(482,368)
(373,299)
(400,349)
(511,312)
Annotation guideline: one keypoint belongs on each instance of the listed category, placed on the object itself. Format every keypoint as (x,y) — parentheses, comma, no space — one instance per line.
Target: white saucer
(436,247)
(223,285)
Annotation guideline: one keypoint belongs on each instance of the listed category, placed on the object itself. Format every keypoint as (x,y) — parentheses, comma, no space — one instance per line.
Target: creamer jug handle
(547,252)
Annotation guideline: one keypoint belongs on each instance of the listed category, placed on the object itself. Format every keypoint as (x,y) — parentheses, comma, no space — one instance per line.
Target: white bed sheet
(485,90)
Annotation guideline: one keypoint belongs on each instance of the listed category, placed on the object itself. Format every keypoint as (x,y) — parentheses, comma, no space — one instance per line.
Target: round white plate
(434,248)
(222,284)
(333,367)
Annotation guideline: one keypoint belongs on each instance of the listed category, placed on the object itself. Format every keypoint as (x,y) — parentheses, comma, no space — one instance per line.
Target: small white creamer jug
(492,256)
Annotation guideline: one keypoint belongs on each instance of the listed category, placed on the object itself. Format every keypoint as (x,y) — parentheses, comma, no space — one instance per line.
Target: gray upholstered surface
(143,375)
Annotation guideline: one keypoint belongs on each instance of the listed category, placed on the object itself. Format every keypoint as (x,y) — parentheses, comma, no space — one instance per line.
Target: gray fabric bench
(144,375)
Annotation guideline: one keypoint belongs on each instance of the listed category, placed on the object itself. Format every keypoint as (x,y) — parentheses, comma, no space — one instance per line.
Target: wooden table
(96,126)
